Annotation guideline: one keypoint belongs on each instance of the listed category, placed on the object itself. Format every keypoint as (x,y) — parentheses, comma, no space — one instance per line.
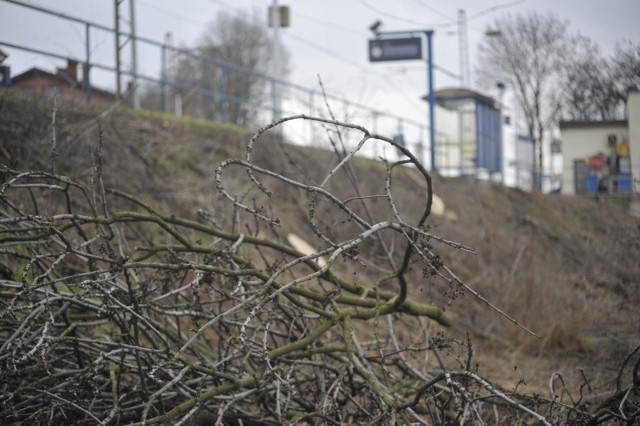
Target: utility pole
(463,49)
(278,17)
(118,53)
(163,70)
(117,47)
(135,93)
(275,70)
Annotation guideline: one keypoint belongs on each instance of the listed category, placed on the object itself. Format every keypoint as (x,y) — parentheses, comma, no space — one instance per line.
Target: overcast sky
(326,38)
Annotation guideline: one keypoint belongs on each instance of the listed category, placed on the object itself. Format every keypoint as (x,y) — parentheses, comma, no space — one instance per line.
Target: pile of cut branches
(113,312)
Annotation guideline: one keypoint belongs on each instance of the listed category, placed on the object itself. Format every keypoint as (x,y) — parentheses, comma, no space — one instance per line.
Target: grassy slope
(567,267)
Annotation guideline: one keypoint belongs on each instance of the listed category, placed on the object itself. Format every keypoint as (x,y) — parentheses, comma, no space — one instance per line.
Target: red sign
(597,162)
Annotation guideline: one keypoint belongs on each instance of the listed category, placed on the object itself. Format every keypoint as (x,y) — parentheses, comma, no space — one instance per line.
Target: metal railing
(298,99)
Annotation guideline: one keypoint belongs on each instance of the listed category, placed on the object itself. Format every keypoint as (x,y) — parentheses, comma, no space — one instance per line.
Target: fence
(171,93)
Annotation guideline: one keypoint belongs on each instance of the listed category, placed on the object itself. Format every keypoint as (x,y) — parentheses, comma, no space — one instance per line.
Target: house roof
(463,93)
(445,96)
(37,72)
(581,124)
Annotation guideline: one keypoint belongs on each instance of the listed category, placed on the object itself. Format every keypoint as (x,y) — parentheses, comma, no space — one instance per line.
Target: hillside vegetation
(538,294)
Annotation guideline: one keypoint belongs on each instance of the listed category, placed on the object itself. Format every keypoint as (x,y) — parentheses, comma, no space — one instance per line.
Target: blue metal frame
(432,99)
(222,96)
(432,94)
(488,137)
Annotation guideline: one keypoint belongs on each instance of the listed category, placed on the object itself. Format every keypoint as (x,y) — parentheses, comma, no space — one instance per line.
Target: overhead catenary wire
(290,35)
(331,53)
(329,24)
(400,18)
(353,63)
(388,81)
(341,58)
(169,12)
(494,8)
(434,10)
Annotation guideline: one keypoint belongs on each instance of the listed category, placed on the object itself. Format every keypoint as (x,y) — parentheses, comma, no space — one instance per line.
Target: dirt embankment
(565,267)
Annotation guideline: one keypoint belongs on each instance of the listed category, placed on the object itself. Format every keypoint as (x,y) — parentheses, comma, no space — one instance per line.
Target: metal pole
(501,160)
(432,99)
(117,48)
(275,21)
(312,135)
(463,49)
(274,111)
(223,94)
(87,63)
(163,78)
(461,141)
(177,104)
(374,126)
(135,93)
(421,132)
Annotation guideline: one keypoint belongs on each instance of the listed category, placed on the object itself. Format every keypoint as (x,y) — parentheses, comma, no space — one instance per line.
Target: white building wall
(447,122)
(448,135)
(456,139)
(523,162)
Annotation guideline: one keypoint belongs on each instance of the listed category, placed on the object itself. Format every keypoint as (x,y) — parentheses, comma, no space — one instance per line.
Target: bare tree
(226,76)
(239,90)
(588,84)
(626,67)
(595,87)
(528,55)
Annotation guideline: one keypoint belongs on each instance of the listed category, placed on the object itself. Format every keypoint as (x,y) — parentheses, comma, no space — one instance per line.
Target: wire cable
(355,64)
(171,13)
(494,8)
(436,11)
(400,18)
(330,24)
